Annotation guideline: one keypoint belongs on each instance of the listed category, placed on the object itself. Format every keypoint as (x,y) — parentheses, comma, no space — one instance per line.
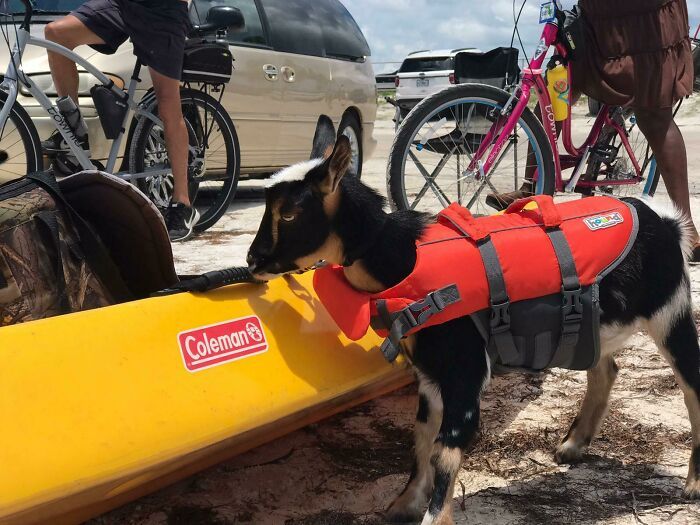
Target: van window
(47,6)
(417,65)
(252,34)
(341,35)
(294,26)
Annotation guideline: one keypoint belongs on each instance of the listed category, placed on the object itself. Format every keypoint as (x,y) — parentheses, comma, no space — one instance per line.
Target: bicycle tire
(193,99)
(28,136)
(432,105)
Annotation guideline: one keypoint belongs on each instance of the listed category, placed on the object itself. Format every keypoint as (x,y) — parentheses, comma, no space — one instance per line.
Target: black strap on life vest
(499,325)
(572,306)
(416,314)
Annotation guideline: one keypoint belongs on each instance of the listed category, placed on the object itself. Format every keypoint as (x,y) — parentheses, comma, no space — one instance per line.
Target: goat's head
(301,201)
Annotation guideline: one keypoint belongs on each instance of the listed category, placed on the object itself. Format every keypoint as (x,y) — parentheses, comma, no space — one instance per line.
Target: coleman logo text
(220,343)
(604,221)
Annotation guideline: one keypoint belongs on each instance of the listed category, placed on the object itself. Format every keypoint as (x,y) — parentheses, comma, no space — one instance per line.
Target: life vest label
(604,221)
(221,343)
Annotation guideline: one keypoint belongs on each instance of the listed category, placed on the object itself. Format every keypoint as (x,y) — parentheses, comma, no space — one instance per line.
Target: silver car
(295,60)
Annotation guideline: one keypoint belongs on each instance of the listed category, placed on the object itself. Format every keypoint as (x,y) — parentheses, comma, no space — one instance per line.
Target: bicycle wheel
(611,163)
(440,137)
(214,159)
(20,140)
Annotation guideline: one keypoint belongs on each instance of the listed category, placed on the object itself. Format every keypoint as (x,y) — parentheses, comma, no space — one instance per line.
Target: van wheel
(350,127)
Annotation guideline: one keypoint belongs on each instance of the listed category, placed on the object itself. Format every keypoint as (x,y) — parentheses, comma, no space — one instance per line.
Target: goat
(314,212)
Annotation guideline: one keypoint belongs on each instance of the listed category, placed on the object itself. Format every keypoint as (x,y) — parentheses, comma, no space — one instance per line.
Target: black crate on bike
(207,62)
(498,67)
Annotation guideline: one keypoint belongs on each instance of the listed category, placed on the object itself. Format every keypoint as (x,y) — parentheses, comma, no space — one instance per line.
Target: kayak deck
(104,406)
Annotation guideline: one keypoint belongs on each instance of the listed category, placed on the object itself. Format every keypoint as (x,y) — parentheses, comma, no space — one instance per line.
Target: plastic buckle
(389,351)
(500,317)
(572,306)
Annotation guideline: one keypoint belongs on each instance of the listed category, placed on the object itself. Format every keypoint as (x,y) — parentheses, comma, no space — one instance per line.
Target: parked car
(295,60)
(424,73)
(386,80)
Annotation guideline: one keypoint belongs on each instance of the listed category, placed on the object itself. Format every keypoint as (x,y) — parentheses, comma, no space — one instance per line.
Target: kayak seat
(130,226)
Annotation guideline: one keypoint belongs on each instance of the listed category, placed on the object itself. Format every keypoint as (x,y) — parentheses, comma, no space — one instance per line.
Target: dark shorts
(637,53)
(157,29)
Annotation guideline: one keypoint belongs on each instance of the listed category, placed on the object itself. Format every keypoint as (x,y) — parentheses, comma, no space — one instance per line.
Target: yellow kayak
(101,407)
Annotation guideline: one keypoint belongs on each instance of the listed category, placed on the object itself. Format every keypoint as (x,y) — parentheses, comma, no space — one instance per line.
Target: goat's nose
(254,262)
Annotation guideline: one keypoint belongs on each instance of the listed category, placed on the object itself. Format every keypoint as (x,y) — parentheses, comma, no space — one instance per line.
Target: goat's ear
(336,166)
(324,138)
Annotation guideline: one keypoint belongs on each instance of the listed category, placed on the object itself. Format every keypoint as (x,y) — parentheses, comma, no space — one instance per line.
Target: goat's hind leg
(676,336)
(410,505)
(593,409)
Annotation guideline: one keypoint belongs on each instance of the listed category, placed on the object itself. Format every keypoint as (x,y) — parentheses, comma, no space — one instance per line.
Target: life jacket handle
(460,218)
(545,205)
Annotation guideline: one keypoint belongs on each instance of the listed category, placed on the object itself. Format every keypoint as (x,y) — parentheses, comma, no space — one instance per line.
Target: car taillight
(452,78)
(397,81)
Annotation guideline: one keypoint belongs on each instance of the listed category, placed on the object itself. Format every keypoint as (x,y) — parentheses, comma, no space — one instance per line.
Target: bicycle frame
(577,158)
(14,75)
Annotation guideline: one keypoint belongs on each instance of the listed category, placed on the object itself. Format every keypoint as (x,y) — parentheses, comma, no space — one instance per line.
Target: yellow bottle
(559,91)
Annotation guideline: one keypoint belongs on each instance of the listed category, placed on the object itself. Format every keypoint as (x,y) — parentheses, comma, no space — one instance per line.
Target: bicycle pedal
(605,152)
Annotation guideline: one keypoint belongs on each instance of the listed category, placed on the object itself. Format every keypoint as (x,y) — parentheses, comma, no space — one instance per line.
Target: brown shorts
(638,53)
(157,29)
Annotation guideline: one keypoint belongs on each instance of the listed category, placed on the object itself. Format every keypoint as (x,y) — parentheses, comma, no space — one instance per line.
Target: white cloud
(393,28)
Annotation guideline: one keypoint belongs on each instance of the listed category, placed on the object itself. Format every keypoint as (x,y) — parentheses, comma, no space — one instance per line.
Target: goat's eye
(288,218)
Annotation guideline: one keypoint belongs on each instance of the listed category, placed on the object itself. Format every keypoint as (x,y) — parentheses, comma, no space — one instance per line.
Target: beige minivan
(295,60)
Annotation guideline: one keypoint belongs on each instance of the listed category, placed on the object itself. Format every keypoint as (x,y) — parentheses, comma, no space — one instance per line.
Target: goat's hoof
(692,489)
(444,518)
(568,453)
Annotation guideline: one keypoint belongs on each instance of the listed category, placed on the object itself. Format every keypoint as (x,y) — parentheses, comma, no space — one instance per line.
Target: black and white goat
(315,213)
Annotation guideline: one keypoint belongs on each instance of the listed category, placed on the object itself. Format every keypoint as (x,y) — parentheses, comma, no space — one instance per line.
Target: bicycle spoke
(487,178)
(438,192)
(433,176)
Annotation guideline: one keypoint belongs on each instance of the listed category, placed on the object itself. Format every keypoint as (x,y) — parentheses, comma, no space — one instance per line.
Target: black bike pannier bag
(572,32)
(207,62)
(498,67)
(110,108)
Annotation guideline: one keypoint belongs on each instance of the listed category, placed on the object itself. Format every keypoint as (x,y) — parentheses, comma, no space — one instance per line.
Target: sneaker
(56,144)
(500,201)
(180,219)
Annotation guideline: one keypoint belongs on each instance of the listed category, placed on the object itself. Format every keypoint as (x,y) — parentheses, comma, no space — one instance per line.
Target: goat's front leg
(410,504)
(461,392)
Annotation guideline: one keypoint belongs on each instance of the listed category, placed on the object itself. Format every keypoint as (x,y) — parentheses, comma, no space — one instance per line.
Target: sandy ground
(347,469)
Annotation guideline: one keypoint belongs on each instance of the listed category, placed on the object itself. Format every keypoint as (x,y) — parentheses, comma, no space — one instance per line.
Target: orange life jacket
(467,265)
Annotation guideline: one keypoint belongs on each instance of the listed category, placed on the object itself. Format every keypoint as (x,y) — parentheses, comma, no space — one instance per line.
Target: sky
(394,28)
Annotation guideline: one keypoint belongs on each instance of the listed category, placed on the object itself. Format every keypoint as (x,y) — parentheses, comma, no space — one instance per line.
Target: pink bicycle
(473,142)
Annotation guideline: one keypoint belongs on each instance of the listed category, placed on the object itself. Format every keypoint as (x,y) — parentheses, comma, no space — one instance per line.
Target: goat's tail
(677,222)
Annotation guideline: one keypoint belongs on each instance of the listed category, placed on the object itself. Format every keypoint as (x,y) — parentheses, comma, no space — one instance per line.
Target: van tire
(349,125)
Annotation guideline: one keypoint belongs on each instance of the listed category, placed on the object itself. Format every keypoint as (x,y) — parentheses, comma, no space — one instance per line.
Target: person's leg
(668,146)
(170,112)
(70,32)
(500,201)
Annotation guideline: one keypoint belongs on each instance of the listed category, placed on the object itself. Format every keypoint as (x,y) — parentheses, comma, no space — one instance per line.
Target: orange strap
(461,219)
(545,204)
